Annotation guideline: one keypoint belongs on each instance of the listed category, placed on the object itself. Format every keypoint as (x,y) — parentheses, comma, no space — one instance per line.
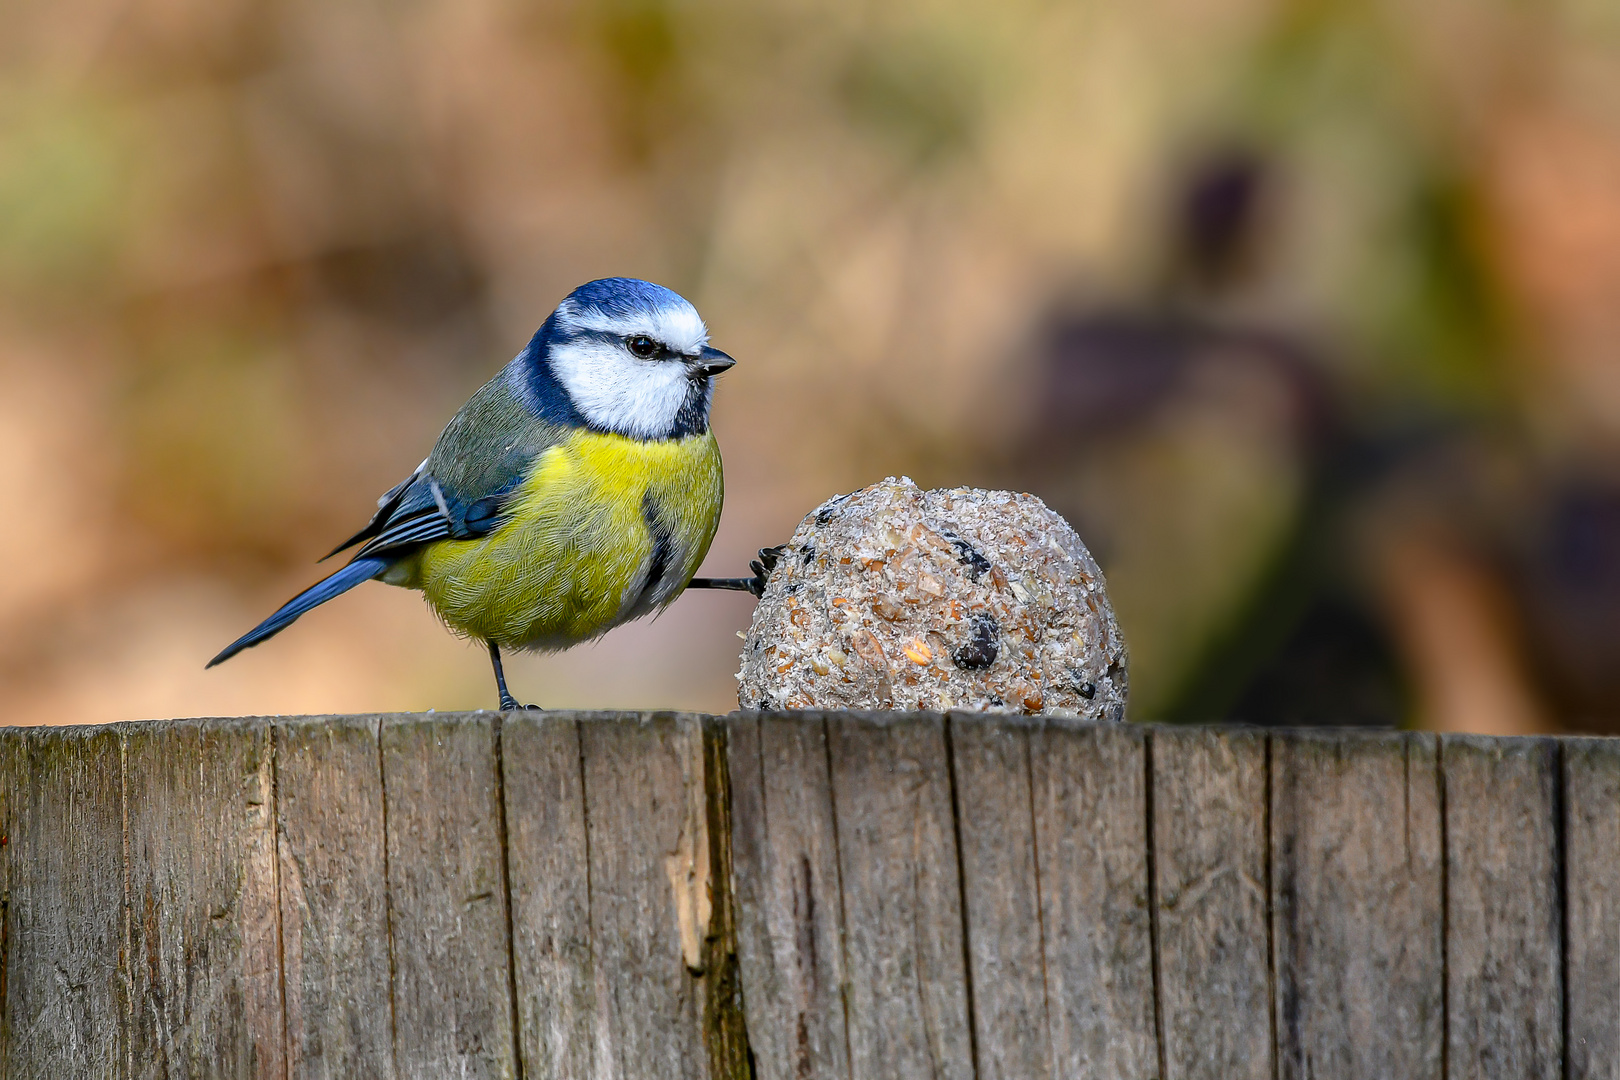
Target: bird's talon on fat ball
(762,567)
(602,419)
(755,585)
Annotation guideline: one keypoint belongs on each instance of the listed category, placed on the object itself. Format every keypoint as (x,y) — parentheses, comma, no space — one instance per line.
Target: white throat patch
(617,392)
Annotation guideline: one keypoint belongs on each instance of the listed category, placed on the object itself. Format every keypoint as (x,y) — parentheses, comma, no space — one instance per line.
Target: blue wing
(426,511)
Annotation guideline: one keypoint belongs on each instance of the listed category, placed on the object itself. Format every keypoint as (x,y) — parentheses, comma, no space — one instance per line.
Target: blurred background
(1306,313)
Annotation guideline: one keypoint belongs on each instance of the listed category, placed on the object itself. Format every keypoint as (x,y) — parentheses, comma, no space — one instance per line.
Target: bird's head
(624,356)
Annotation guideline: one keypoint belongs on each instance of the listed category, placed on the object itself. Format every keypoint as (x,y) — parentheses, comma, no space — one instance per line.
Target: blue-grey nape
(546,394)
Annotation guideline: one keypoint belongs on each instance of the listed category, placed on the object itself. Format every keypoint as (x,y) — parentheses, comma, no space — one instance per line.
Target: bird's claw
(755,585)
(762,567)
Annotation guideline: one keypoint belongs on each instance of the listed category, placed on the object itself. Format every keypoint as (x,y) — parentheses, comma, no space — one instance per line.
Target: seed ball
(893,597)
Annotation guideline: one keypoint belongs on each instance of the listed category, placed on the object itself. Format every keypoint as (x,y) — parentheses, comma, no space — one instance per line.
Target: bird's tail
(339,583)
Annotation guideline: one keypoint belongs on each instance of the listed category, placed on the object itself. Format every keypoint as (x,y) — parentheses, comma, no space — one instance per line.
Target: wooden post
(1591,863)
(1504,908)
(1357,915)
(336,941)
(802,896)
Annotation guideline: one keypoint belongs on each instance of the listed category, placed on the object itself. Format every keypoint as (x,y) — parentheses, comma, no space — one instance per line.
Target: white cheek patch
(616,392)
(677,326)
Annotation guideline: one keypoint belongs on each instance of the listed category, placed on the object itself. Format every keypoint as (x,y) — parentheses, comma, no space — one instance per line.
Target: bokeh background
(1305,312)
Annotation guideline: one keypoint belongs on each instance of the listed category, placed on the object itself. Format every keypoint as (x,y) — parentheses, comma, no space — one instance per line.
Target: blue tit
(578,489)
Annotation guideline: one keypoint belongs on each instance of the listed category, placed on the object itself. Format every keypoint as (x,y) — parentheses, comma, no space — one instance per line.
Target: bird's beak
(708,362)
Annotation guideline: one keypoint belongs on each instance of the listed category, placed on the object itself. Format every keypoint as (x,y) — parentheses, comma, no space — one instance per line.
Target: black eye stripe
(622,340)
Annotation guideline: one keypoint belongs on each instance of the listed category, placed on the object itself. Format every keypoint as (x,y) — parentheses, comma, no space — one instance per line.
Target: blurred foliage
(912,96)
(62,206)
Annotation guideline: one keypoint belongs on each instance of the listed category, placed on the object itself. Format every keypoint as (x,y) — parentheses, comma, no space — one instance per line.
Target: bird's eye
(643,346)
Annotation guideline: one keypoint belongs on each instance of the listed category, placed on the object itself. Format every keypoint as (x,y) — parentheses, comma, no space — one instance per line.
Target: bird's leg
(761,567)
(508,702)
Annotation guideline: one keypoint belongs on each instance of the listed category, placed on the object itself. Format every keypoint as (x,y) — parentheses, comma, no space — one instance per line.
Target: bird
(576,490)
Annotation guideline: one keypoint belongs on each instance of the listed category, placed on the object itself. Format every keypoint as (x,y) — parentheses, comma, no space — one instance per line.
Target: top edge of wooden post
(876,718)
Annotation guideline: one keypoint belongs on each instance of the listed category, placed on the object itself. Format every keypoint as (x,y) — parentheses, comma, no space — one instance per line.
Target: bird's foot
(761,567)
(511,704)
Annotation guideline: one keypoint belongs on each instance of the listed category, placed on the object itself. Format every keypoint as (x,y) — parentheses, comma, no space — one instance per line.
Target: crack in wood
(725,1025)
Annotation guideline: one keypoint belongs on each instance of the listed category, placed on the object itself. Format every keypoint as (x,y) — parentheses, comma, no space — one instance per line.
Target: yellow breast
(602,530)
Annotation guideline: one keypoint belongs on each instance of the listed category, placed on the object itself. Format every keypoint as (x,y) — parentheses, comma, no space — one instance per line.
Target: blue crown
(621,297)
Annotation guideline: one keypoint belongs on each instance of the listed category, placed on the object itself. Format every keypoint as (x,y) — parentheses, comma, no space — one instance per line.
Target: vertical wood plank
(1209,848)
(334,904)
(725,1027)
(908,996)
(551,895)
(1355,825)
(1000,884)
(13,755)
(1592,887)
(66,992)
(790,931)
(1504,916)
(1090,792)
(650,902)
(204,937)
(447,899)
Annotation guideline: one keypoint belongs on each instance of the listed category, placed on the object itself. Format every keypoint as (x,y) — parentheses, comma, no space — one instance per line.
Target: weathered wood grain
(66,992)
(876,896)
(13,767)
(331,849)
(1504,988)
(1592,884)
(790,929)
(204,938)
(447,899)
(549,861)
(1090,807)
(1209,851)
(651,901)
(725,1029)
(1000,887)
(1357,920)
(908,1012)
